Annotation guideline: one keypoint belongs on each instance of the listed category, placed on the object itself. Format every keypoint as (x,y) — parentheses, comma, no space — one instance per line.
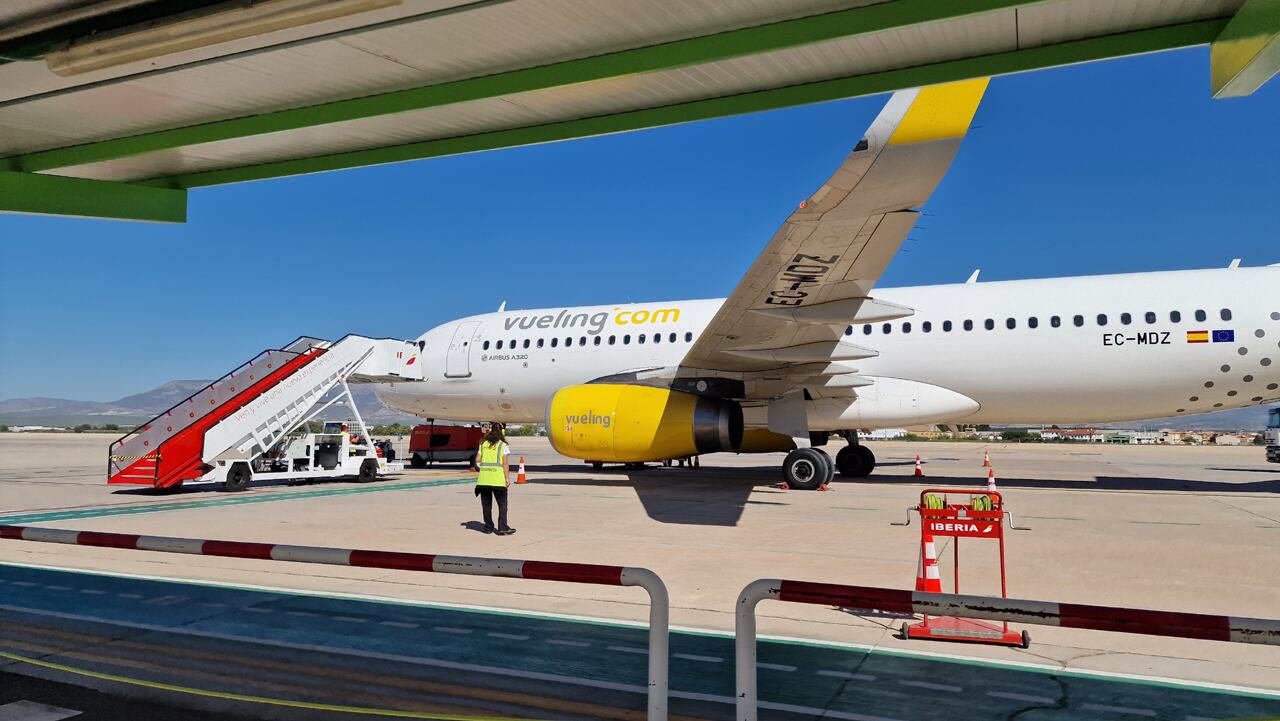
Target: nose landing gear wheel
(855,461)
(807,469)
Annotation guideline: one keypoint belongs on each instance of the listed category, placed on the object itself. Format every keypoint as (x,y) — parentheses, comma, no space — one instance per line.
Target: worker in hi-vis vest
(493,480)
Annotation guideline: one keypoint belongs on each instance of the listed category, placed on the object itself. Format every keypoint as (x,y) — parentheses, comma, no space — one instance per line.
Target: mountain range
(140,407)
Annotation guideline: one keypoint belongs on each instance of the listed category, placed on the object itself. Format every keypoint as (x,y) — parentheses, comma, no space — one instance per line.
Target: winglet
(1235,263)
(940,111)
(502,307)
(973,278)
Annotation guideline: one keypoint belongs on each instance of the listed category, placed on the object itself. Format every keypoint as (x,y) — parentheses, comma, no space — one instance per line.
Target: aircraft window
(1126,318)
(612,339)
(657,337)
(512,344)
(626,339)
(906,327)
(1201,316)
(946,326)
(688,337)
(1078,320)
(1102,319)
(867,329)
(1175,316)
(926,326)
(887,327)
(1225,314)
(968,325)
(1010,323)
(526,342)
(499,346)
(1055,321)
(554,341)
(539,342)
(597,340)
(486,345)
(1033,322)
(989,324)
(640,338)
(582,340)
(1150,317)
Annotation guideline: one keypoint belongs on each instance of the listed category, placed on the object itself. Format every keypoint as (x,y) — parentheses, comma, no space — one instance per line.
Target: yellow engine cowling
(630,424)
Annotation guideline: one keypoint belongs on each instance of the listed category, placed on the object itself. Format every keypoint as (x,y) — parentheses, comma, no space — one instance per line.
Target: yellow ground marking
(940,111)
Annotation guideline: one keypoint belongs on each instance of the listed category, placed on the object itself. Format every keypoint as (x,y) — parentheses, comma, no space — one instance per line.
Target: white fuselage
(1082,370)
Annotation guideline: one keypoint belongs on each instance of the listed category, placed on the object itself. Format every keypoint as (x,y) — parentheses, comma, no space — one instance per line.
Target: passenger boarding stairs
(246,412)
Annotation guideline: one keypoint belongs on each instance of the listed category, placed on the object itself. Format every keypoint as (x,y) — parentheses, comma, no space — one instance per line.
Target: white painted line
(32,711)
(93,591)
(301,614)
(133,596)
(450,629)
(207,604)
(255,609)
(1119,709)
(58,588)
(932,686)
(566,642)
(1022,697)
(398,624)
(695,657)
(846,674)
(351,619)
(776,667)
(627,649)
(508,636)
(25,584)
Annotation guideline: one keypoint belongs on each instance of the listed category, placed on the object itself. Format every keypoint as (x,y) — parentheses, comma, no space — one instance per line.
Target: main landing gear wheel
(807,469)
(855,461)
(237,478)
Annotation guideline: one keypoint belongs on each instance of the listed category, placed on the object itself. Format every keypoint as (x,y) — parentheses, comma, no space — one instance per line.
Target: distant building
(34,429)
(886,434)
(1232,439)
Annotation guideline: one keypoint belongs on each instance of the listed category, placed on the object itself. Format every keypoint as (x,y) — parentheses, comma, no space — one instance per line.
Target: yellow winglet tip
(940,111)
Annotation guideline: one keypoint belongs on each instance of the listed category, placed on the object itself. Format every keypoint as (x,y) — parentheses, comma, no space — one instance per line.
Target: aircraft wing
(788,315)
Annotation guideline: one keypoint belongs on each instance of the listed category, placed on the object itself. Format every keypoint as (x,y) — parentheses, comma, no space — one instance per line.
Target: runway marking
(355,619)
(565,642)
(398,624)
(93,591)
(776,667)
(932,686)
(847,675)
(508,636)
(264,497)
(696,657)
(450,629)
(1021,697)
(25,584)
(301,614)
(1038,668)
(209,604)
(32,711)
(255,609)
(627,649)
(1119,709)
(132,596)
(52,587)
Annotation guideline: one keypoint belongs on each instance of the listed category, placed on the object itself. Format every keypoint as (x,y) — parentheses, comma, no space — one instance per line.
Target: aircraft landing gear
(855,461)
(807,469)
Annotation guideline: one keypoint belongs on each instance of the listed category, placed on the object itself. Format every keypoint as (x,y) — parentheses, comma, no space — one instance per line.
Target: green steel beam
(1247,53)
(59,195)
(1111,46)
(780,35)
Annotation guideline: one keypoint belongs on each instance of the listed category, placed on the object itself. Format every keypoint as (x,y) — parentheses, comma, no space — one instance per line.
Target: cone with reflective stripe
(520,474)
(986,459)
(927,577)
(991,480)
(919,470)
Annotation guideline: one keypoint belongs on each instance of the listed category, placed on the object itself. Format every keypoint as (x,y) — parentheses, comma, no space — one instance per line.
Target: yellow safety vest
(490,463)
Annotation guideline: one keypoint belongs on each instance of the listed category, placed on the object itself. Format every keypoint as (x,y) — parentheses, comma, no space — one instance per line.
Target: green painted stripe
(1111,46)
(664,56)
(57,195)
(217,502)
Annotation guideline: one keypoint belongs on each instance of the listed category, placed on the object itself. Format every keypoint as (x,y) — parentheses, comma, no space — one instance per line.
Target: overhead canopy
(158,96)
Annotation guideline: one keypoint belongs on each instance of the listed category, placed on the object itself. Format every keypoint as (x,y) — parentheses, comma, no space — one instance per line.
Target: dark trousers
(487,494)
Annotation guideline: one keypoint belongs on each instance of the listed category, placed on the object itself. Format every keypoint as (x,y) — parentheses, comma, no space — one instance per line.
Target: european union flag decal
(1224,336)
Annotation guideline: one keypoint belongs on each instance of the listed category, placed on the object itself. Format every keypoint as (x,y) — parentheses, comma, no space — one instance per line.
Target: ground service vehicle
(1273,435)
(443,444)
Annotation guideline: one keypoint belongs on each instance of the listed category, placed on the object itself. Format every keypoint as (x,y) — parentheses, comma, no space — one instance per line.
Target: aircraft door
(457,362)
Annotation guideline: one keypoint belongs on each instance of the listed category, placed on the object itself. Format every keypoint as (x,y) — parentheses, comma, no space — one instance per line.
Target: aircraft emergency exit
(807,345)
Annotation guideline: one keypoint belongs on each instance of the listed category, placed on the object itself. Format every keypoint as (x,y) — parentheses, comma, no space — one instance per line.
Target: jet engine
(631,424)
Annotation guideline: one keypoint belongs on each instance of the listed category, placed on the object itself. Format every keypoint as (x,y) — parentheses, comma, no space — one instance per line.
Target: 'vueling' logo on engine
(589,418)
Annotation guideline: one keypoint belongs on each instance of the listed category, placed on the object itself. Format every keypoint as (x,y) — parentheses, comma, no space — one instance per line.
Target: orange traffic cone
(991,480)
(696,463)
(919,470)
(520,474)
(986,459)
(927,578)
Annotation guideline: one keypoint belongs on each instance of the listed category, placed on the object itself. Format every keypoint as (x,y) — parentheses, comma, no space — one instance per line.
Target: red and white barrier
(1044,613)
(659,602)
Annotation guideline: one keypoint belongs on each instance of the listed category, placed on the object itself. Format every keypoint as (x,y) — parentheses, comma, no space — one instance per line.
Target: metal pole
(659,636)
(745,644)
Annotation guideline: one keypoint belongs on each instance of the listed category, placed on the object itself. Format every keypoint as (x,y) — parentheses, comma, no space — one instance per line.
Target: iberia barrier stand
(981,516)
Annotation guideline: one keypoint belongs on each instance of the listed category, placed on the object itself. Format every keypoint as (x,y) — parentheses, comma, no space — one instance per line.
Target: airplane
(807,346)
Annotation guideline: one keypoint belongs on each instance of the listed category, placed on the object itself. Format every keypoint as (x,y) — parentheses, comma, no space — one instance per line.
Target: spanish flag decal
(1197,336)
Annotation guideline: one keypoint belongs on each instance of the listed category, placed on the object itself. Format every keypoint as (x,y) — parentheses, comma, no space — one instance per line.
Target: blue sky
(1111,167)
